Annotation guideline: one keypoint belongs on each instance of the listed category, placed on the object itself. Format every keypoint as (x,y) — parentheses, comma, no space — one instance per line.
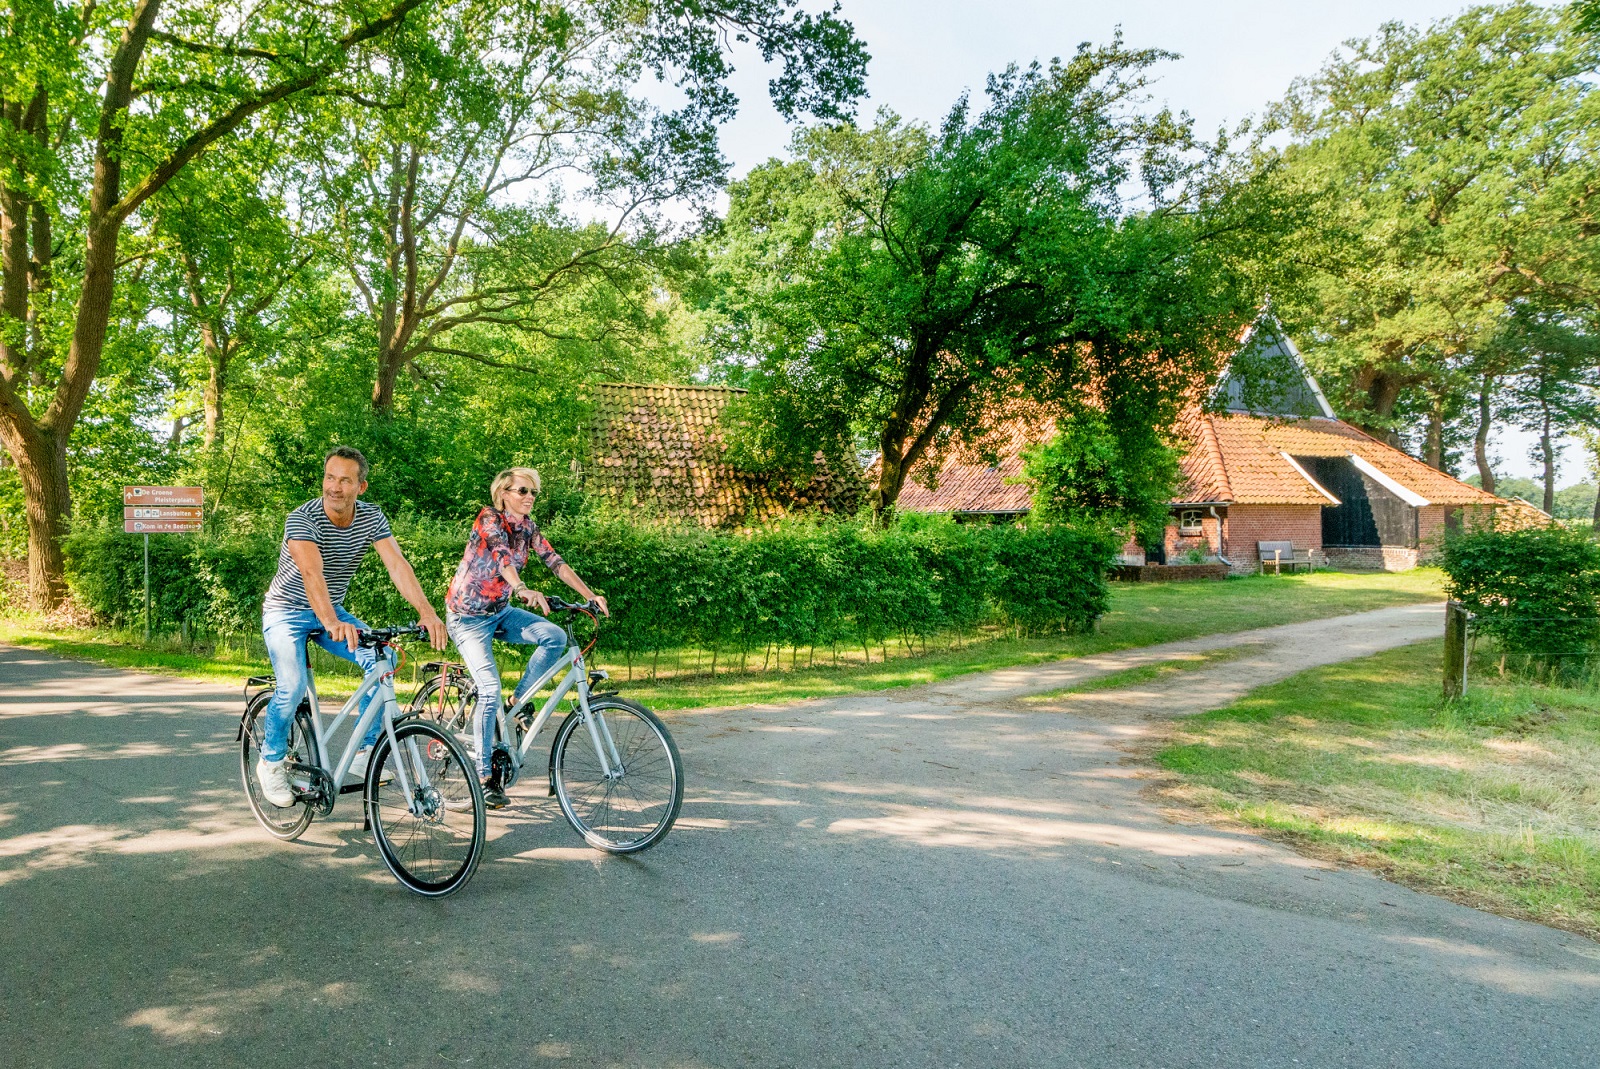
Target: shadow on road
(888,880)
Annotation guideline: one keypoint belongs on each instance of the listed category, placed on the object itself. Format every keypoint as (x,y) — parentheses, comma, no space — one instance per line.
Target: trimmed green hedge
(1536,590)
(792,585)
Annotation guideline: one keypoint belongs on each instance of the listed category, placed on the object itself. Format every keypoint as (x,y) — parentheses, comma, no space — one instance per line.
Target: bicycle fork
(600,735)
(414,798)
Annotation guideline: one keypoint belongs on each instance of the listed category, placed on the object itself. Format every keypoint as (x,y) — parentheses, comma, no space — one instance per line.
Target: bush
(1116,472)
(798,584)
(1537,590)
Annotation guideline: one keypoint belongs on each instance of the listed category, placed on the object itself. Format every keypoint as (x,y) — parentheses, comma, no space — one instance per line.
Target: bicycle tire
(456,712)
(630,811)
(287,824)
(433,853)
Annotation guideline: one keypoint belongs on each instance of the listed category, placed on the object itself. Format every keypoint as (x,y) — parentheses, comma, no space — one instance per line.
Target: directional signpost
(149,510)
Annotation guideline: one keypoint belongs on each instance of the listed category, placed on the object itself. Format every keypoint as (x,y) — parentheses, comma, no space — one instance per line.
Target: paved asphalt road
(937,877)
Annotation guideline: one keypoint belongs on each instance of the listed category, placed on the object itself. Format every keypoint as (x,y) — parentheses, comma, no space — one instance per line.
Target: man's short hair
(346,452)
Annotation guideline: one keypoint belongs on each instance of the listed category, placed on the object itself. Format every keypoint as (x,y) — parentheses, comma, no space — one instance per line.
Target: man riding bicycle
(324,541)
(479,607)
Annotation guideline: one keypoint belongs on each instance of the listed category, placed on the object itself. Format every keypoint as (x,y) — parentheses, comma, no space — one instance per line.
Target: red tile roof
(1241,459)
(966,483)
(1230,458)
(661,449)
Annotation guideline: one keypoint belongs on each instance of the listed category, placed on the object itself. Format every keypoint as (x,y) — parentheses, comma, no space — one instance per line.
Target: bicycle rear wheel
(431,837)
(280,822)
(633,807)
(447,700)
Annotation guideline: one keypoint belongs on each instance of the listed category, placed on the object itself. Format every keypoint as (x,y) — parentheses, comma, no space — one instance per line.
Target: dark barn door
(1353,522)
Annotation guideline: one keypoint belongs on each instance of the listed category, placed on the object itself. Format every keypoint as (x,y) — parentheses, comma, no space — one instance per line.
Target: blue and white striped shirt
(342,550)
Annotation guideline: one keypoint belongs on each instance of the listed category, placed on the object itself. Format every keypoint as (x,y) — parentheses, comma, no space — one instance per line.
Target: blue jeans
(474,636)
(285,631)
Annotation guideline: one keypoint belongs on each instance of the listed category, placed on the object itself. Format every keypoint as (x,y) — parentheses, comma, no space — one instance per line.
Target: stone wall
(1371,558)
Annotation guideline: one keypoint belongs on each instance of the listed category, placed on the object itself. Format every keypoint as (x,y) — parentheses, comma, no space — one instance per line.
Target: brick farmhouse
(1266,460)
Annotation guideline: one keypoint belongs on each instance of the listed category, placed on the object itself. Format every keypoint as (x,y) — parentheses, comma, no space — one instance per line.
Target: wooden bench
(1283,554)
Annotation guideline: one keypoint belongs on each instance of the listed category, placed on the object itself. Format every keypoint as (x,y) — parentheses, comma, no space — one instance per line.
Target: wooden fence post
(1455,649)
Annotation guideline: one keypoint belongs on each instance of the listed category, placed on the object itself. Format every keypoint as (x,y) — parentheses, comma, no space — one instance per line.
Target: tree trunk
(1596,520)
(1383,392)
(41,460)
(1547,448)
(216,383)
(907,432)
(389,365)
(216,347)
(891,479)
(1480,441)
(40,448)
(1433,440)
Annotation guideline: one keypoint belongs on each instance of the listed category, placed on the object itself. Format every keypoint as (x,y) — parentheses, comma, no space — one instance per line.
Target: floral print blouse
(478,588)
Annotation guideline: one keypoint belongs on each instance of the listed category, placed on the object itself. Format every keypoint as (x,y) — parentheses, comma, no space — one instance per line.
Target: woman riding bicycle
(479,608)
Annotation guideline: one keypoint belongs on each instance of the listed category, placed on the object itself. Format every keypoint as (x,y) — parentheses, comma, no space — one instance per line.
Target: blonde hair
(503,481)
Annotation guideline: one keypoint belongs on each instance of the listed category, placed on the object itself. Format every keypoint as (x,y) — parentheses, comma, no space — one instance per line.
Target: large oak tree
(1457,167)
(101,107)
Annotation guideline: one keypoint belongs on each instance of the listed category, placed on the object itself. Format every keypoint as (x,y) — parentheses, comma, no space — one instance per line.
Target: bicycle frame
(380,682)
(576,678)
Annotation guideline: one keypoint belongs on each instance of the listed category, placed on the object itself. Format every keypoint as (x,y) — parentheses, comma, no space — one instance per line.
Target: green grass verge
(1493,800)
(1141,614)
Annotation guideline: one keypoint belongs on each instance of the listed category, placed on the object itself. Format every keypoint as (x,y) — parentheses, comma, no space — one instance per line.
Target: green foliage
(1575,502)
(1089,473)
(1537,590)
(794,585)
(1453,164)
(1588,15)
(207,198)
(901,287)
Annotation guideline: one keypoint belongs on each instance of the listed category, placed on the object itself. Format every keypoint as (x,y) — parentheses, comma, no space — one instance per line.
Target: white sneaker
(274,781)
(358,763)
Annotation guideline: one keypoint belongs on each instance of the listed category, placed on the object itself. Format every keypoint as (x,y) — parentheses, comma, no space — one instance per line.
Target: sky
(1237,56)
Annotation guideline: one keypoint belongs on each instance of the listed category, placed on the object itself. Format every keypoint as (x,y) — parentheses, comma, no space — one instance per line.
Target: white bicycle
(614,768)
(421,796)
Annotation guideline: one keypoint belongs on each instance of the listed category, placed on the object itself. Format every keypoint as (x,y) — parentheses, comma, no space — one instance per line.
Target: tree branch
(226,123)
(202,49)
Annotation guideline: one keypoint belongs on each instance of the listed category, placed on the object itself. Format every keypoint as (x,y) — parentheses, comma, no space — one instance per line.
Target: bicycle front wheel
(426,809)
(632,806)
(286,823)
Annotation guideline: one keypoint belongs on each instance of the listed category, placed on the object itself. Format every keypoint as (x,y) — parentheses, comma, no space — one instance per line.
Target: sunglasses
(523,490)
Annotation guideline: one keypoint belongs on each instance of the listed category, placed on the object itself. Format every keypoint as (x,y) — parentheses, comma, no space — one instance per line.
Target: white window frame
(1196,528)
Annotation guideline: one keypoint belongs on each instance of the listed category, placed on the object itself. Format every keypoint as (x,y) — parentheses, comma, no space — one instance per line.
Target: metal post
(1455,649)
(147,588)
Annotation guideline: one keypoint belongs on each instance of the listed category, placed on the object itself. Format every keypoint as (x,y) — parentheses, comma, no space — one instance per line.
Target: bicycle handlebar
(377,636)
(558,605)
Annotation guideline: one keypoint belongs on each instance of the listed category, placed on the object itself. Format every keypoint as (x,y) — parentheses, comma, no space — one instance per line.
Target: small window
(1189,522)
